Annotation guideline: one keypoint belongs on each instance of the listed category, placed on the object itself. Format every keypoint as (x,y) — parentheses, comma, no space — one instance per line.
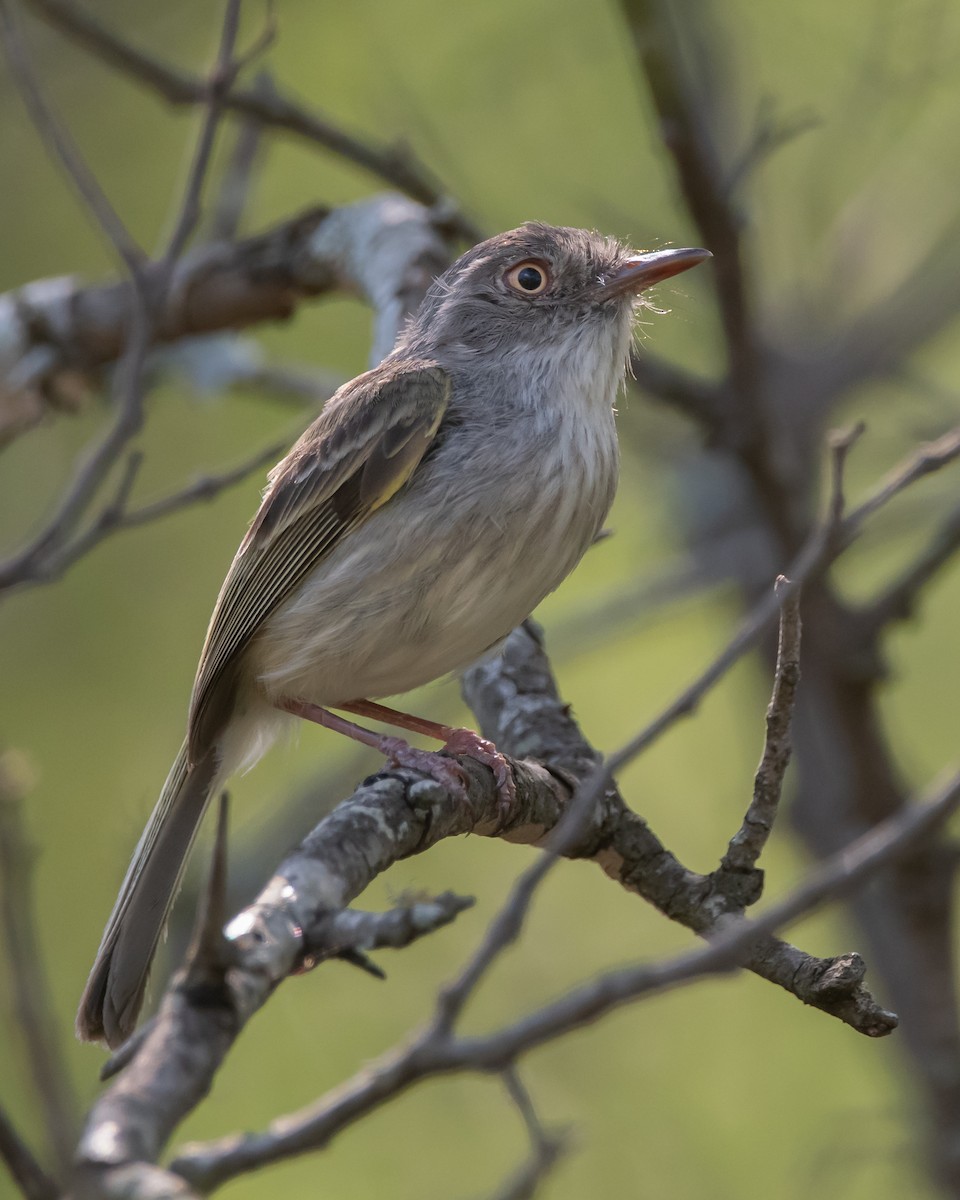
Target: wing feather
(356,456)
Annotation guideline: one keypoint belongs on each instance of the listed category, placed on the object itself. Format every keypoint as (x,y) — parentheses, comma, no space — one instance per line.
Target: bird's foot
(466,741)
(449,772)
(445,771)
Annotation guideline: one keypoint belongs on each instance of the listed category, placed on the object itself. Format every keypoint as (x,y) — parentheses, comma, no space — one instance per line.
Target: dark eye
(528,277)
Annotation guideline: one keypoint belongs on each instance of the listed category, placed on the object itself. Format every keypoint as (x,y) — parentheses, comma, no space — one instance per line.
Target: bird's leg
(395,749)
(455,740)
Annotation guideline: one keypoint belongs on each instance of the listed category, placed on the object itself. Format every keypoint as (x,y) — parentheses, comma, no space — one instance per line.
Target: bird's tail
(114,992)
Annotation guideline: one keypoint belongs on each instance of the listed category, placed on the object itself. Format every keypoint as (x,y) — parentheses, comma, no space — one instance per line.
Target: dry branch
(748,842)
(29,990)
(435,1051)
(386,249)
(395,165)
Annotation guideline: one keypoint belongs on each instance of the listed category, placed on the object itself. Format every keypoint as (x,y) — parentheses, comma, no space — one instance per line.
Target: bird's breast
(490,524)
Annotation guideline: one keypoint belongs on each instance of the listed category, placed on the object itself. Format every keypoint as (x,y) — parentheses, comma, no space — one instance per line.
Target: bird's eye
(528,277)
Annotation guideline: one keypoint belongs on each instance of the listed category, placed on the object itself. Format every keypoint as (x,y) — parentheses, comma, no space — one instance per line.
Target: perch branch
(435,1051)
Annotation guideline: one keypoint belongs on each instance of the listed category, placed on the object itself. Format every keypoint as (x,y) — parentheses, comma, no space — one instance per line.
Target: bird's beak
(644,270)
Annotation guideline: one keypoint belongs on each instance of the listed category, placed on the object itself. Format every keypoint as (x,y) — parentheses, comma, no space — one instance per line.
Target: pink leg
(395,749)
(401,720)
(457,741)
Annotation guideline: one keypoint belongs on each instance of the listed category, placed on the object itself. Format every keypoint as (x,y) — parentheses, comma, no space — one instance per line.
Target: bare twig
(686,132)
(394,165)
(55,135)
(770,132)
(545,1148)
(747,844)
(30,996)
(898,601)
(222,76)
(352,930)
(235,184)
(26,1172)
(827,540)
(127,393)
(116,516)
(925,461)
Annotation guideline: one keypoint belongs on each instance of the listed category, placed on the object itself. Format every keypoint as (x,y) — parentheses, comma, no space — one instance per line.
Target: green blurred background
(534,110)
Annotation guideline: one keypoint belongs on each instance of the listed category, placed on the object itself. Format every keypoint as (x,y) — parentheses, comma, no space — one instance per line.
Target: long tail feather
(114,993)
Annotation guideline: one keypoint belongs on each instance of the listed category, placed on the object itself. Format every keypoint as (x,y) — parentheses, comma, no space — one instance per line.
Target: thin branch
(235,184)
(94,467)
(127,391)
(770,133)
(54,134)
(832,535)
(26,1172)
(545,1149)
(30,996)
(205,488)
(394,165)
(116,516)
(217,86)
(837,876)
(899,600)
(352,930)
(747,844)
(931,457)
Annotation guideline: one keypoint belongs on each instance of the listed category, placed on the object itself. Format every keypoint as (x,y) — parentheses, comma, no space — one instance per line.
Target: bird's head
(541,286)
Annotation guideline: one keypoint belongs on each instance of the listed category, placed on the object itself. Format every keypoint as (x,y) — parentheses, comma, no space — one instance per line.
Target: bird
(428,509)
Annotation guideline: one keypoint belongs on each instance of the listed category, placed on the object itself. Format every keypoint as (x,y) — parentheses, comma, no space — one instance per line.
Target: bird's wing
(360,451)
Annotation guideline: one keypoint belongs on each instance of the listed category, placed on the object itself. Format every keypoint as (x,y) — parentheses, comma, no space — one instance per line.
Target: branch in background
(848,778)
(394,165)
(686,132)
(64,150)
(233,193)
(879,342)
(30,998)
(687,100)
(26,1172)
(899,600)
(136,327)
(546,1148)
(770,133)
(391,252)
(214,90)
(116,515)
(386,248)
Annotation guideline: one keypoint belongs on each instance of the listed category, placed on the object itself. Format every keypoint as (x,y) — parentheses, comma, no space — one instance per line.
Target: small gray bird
(427,511)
